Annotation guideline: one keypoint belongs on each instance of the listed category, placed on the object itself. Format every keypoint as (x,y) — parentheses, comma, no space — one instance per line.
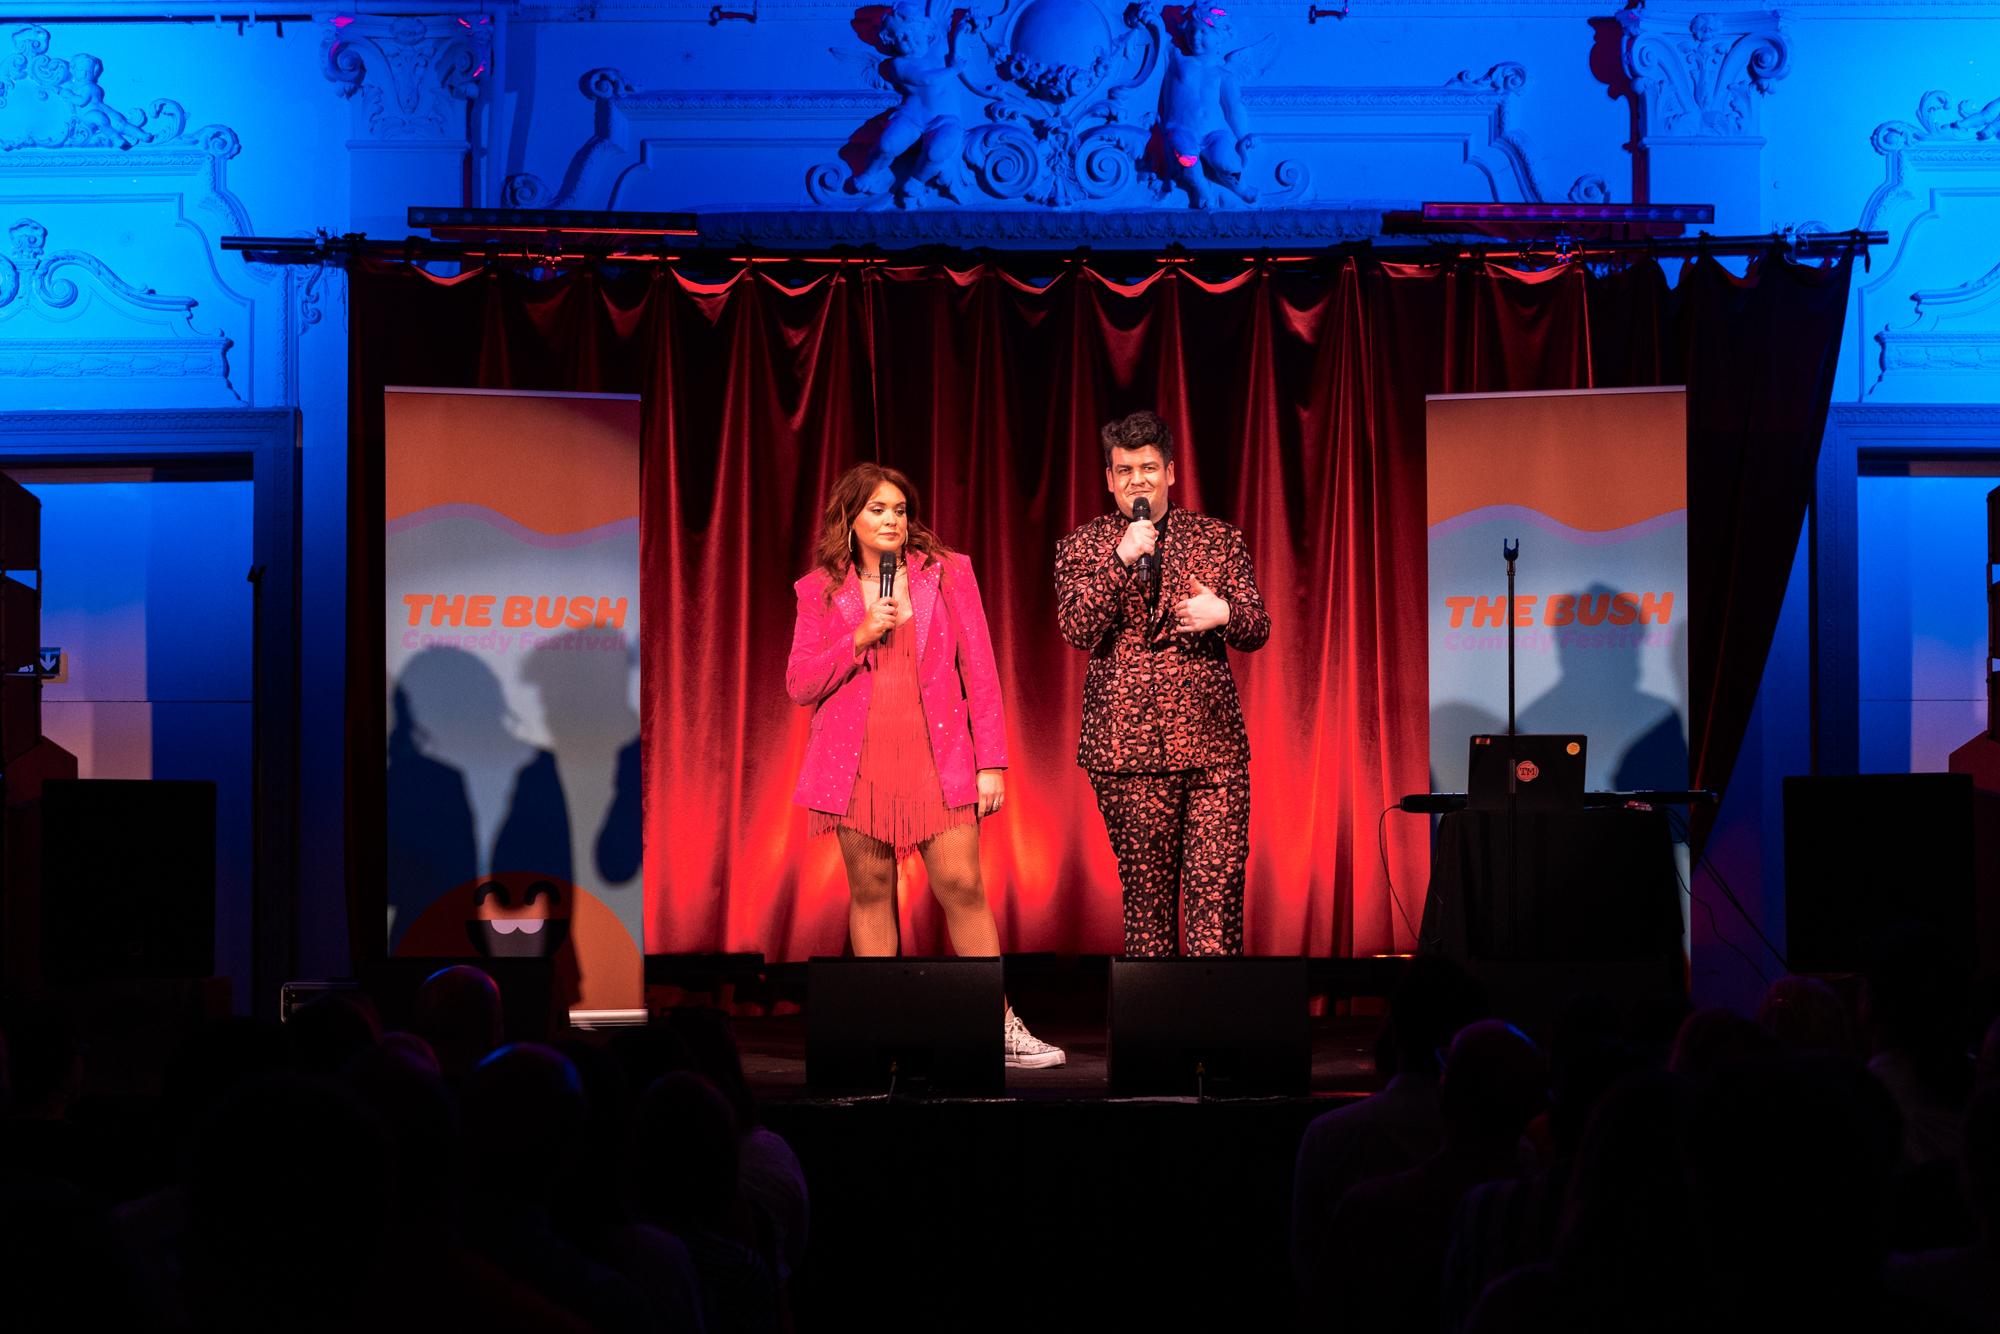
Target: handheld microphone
(888,584)
(1142,509)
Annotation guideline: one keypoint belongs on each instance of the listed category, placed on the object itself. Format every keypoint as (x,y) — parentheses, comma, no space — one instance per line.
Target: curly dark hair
(1137,431)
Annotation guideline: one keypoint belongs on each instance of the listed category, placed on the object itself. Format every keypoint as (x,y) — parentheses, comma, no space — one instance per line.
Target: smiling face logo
(1527,771)
(523,922)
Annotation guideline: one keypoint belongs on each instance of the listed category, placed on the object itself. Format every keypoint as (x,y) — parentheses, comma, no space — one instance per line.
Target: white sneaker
(1025,1051)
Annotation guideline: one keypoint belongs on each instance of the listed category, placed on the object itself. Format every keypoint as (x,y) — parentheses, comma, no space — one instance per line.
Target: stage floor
(774,1058)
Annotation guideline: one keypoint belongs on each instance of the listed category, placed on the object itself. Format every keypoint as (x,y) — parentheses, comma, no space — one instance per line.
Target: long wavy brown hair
(845,503)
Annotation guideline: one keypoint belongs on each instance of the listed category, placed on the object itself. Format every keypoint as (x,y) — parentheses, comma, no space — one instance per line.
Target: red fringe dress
(897,798)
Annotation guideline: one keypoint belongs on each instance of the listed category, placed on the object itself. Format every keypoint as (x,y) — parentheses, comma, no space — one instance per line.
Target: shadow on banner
(511,606)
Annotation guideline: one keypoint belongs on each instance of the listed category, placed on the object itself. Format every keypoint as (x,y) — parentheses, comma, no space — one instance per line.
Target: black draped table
(1595,885)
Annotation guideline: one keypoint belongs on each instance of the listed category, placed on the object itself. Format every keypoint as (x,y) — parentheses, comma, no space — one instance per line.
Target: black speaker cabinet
(921,1025)
(1868,849)
(20,716)
(1214,1027)
(20,625)
(20,527)
(1993,620)
(1993,526)
(128,879)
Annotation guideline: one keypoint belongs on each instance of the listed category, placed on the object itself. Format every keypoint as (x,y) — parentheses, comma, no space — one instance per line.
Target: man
(1157,602)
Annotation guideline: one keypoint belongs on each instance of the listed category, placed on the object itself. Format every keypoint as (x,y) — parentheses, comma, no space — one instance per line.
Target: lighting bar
(339,249)
(547,221)
(1585,213)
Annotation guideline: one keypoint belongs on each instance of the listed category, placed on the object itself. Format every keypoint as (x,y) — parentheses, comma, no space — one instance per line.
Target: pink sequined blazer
(967,726)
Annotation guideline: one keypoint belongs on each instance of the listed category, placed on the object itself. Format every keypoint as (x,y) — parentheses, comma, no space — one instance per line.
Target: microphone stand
(1510,547)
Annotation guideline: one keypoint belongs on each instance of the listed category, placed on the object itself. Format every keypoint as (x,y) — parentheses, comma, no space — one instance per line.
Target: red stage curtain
(1297,391)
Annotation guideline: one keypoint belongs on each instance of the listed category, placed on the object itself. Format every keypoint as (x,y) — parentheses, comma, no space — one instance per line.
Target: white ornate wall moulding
(1927,323)
(1701,77)
(1073,109)
(1698,81)
(414,76)
(65,314)
(129,188)
(1953,331)
(50,103)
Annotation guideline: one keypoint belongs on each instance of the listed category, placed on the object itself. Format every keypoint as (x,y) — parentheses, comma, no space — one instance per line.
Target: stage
(774,1061)
(1056,1204)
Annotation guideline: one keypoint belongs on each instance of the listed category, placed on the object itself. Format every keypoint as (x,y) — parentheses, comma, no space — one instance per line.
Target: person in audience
(1716,1039)
(1626,1239)
(1391,1130)
(597,1210)
(433,1279)
(1913,1008)
(45,1059)
(1505,1224)
(458,1013)
(329,1031)
(772,1183)
(685,1154)
(63,1266)
(1805,1014)
(1793,1156)
(524,1118)
(1387,1239)
(1962,1283)
(218,1058)
(46,1064)
(289,1196)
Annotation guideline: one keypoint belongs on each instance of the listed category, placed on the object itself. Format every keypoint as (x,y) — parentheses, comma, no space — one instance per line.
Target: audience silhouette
(1832,1165)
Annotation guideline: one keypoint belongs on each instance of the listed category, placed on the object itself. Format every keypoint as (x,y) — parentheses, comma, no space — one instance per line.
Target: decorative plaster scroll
(1590,188)
(35,286)
(414,75)
(1944,334)
(1503,78)
(51,103)
(1702,81)
(1936,123)
(312,293)
(32,273)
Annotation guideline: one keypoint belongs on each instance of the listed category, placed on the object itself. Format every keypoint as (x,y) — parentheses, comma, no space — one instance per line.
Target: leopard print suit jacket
(1155,699)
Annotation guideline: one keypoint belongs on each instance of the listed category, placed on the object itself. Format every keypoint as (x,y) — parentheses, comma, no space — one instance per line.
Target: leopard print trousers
(1181,838)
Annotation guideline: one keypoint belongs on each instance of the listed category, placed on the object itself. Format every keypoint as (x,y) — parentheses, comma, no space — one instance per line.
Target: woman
(908,739)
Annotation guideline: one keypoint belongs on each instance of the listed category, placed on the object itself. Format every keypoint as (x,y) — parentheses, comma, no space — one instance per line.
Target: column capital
(1700,76)
(410,75)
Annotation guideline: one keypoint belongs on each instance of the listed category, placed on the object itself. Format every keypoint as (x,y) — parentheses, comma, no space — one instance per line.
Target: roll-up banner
(1593,485)
(511,596)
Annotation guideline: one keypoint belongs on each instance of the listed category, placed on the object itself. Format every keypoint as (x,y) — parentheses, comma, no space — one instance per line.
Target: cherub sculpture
(95,120)
(1202,121)
(926,120)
